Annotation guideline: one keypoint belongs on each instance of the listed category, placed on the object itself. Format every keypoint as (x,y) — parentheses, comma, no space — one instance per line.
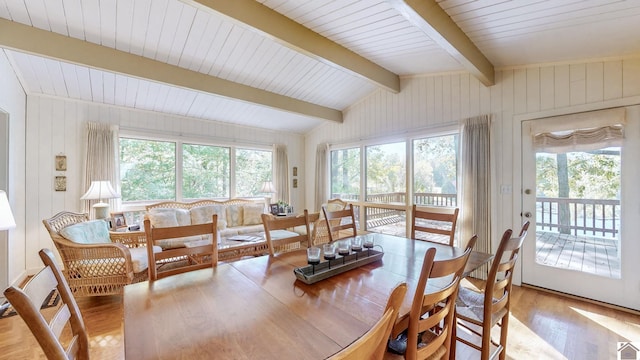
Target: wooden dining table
(256,308)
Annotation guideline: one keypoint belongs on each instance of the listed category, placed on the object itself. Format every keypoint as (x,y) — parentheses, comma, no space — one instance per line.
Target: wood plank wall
(57,126)
(426,104)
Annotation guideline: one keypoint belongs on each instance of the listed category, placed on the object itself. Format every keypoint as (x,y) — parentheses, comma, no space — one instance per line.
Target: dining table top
(256,308)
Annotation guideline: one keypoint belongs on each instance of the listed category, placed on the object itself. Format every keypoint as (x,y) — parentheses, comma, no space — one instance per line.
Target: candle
(313,255)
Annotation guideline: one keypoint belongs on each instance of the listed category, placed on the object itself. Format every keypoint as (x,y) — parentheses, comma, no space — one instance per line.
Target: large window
(345,174)
(379,187)
(386,173)
(152,170)
(147,170)
(205,171)
(253,168)
(435,170)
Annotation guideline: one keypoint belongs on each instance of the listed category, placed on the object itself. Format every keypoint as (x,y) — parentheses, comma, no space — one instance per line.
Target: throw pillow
(252,214)
(234,215)
(203,214)
(88,232)
(161,218)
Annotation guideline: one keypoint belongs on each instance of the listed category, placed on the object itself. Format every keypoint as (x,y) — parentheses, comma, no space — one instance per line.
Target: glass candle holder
(368,242)
(313,255)
(356,243)
(329,251)
(343,247)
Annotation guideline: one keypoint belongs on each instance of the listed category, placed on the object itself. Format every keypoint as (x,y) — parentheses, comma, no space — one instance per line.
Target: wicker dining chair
(48,328)
(98,269)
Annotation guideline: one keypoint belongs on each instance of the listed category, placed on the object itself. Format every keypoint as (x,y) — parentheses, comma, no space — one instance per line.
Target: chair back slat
(429,221)
(200,253)
(340,220)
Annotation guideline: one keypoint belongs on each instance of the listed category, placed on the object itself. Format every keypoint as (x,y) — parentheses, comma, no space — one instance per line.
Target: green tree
(147,169)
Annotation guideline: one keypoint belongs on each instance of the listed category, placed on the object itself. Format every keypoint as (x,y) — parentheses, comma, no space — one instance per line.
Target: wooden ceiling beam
(34,41)
(299,38)
(438,25)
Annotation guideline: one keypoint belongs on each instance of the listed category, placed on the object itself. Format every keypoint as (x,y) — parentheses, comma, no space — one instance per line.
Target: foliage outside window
(435,170)
(253,168)
(205,171)
(345,174)
(147,170)
(386,173)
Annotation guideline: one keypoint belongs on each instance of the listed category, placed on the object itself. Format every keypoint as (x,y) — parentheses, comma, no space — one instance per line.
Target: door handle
(527,214)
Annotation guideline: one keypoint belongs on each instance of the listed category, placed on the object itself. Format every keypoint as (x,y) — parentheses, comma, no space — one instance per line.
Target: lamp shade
(6,216)
(268,188)
(100,190)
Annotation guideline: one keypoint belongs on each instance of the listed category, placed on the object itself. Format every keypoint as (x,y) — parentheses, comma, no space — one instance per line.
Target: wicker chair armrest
(112,256)
(130,239)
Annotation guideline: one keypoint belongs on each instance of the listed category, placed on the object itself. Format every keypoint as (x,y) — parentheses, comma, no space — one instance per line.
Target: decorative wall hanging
(61,183)
(61,163)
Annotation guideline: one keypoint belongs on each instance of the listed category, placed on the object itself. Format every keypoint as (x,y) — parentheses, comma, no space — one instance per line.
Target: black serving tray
(313,273)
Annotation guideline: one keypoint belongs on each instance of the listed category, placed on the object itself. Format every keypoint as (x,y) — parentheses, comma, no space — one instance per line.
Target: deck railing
(579,217)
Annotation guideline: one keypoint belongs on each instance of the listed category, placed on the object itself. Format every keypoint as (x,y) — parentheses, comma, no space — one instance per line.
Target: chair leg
(504,327)
(486,342)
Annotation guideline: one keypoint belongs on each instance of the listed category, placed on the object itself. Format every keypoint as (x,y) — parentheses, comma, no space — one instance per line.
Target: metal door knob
(527,214)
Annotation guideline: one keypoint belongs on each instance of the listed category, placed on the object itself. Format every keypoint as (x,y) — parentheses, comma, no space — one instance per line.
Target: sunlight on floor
(626,330)
(527,343)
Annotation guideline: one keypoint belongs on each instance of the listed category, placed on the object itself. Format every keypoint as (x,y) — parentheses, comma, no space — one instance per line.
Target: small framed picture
(295,171)
(60,183)
(61,163)
(274,209)
(118,221)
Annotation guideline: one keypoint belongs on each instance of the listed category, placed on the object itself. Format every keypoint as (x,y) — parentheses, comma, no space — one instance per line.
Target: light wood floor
(543,326)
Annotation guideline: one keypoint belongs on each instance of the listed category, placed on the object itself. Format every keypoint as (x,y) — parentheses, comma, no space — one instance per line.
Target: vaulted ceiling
(290,64)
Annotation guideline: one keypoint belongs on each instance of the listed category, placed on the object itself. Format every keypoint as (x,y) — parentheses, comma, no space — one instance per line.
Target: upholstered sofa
(235,217)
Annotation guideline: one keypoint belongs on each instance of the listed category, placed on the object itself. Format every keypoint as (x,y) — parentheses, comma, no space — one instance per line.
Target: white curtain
(475,191)
(322,182)
(102,162)
(282,173)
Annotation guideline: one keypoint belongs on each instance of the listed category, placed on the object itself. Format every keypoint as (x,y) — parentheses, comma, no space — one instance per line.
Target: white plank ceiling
(195,36)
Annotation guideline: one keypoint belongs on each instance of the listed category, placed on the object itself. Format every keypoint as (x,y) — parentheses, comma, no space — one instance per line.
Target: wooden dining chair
(340,223)
(198,253)
(434,223)
(280,236)
(429,324)
(479,312)
(320,232)
(46,325)
(373,344)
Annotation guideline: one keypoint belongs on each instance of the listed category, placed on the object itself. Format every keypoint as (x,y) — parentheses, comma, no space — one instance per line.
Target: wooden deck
(592,255)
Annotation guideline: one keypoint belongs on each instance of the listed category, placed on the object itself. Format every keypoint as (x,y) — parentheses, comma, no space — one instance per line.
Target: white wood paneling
(57,126)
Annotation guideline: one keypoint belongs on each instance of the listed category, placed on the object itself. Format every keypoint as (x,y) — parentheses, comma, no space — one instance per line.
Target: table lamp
(6,216)
(268,188)
(100,190)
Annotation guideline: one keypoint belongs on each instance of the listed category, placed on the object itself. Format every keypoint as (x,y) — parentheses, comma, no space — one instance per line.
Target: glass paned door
(583,208)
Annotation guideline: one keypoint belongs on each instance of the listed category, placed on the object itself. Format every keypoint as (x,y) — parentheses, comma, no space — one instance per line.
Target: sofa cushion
(87,232)
(234,215)
(140,259)
(203,214)
(168,217)
(253,214)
